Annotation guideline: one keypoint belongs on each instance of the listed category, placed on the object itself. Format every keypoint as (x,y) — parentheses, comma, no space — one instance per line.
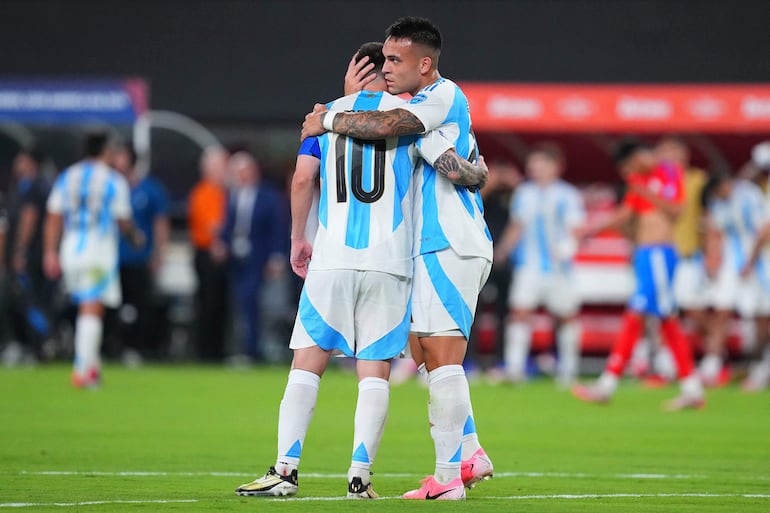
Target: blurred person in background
(759,371)
(254,240)
(689,233)
(139,266)
(736,215)
(88,205)
(653,202)
(206,212)
(29,291)
(3,297)
(546,217)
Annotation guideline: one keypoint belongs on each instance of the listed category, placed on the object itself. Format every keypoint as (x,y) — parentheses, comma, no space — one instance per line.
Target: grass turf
(194,433)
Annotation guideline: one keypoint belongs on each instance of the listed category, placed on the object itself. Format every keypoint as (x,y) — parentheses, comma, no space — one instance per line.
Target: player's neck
(428,80)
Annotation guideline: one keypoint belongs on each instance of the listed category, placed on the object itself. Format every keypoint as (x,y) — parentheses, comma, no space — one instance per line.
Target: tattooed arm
(371,125)
(461,172)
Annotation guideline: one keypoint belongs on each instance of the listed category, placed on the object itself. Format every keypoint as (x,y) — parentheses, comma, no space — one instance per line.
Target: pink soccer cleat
(591,394)
(476,468)
(432,490)
(91,379)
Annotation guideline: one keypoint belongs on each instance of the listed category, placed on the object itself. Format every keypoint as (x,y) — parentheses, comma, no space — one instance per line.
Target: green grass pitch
(168,439)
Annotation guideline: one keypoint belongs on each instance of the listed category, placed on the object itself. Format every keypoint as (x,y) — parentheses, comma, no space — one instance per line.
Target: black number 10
(357,169)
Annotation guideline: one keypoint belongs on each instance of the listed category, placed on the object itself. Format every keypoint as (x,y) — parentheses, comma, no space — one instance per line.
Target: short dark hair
(95,143)
(418,30)
(550,150)
(129,149)
(372,50)
(35,153)
(626,149)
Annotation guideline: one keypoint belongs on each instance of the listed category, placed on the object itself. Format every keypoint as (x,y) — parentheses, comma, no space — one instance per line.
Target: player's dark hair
(132,157)
(95,143)
(717,177)
(418,30)
(550,150)
(372,50)
(626,149)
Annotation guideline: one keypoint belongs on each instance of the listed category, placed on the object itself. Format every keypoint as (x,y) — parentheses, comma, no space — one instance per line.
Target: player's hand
(301,253)
(275,267)
(218,251)
(19,262)
(137,238)
(358,74)
(51,265)
(746,271)
(312,125)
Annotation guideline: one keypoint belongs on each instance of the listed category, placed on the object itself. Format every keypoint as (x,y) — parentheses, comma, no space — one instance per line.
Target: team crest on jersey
(418,98)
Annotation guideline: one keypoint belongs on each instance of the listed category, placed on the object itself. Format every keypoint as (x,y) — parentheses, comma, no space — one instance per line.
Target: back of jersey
(91,197)
(365,209)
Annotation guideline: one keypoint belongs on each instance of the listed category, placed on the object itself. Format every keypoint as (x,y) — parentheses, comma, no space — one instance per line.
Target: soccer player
(541,239)
(736,214)
(453,246)
(653,201)
(355,299)
(88,205)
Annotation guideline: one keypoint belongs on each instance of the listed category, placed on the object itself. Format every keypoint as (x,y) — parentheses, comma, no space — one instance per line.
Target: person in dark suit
(255,240)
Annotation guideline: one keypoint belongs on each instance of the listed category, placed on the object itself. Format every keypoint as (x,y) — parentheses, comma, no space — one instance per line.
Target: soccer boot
(685,402)
(271,484)
(91,379)
(758,379)
(476,468)
(431,490)
(358,490)
(591,394)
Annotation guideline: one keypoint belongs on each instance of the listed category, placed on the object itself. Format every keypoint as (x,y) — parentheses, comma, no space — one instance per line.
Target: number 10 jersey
(365,205)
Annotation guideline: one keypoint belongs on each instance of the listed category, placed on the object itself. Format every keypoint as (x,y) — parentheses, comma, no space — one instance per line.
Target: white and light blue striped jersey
(548,217)
(447,215)
(91,197)
(739,218)
(365,205)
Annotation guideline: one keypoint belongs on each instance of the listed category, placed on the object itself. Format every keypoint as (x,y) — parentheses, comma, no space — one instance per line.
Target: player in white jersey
(88,205)
(541,240)
(759,261)
(453,246)
(735,216)
(358,271)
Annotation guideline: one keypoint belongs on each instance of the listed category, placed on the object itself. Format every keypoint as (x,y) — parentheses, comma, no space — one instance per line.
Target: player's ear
(425,65)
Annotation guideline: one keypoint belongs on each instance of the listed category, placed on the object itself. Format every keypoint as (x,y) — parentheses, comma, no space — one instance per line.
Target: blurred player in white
(88,205)
(355,299)
(547,214)
(453,246)
(759,262)
(736,214)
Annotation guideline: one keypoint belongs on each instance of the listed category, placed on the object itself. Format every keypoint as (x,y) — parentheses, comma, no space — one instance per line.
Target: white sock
(88,341)
(664,362)
(470,437)
(422,371)
(518,337)
(748,335)
(691,386)
(568,339)
(448,410)
(710,366)
(371,414)
(294,417)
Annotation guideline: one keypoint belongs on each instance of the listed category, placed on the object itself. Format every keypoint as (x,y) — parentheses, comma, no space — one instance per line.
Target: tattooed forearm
(377,124)
(461,172)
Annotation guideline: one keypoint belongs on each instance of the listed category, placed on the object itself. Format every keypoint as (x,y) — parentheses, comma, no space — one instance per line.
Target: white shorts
(445,291)
(92,284)
(554,291)
(364,314)
(690,284)
(728,291)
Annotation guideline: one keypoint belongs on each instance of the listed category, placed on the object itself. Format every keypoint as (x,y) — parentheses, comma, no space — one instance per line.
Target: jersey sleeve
(576,212)
(517,204)
(310,147)
(431,105)
(432,145)
(121,206)
(55,203)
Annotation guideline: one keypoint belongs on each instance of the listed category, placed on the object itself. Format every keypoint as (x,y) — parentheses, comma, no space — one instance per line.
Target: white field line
(92,503)
(505,498)
(570,496)
(562,475)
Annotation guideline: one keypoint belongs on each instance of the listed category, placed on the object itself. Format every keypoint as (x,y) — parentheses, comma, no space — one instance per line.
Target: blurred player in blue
(88,205)
(547,214)
(358,272)
(453,247)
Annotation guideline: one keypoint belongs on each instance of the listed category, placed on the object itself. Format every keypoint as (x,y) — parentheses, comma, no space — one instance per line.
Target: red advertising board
(616,108)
